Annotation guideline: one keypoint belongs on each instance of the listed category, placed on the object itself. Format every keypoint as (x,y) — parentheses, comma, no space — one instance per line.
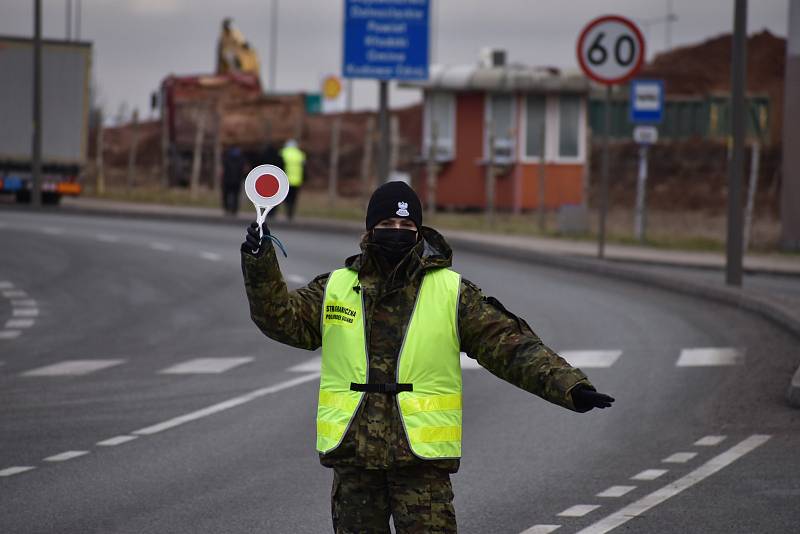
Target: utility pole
(68,21)
(601,231)
(733,266)
(273,46)
(77,20)
(36,151)
(790,190)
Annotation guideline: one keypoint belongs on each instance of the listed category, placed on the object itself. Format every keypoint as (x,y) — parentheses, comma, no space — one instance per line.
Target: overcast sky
(138,42)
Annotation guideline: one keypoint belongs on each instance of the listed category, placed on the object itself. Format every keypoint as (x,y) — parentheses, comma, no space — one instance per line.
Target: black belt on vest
(391,389)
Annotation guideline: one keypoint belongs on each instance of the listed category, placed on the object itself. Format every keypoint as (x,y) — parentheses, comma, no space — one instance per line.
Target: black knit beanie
(394,199)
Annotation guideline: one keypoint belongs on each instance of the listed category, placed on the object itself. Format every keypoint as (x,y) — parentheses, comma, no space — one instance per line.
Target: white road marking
(210,256)
(616,491)
(311,366)
(224,405)
(107,238)
(295,278)
(25,312)
(23,302)
(679,458)
(591,359)
(205,366)
(5,284)
(709,441)
(9,334)
(649,474)
(468,363)
(72,367)
(20,323)
(52,230)
(9,471)
(117,440)
(579,510)
(14,294)
(541,529)
(708,357)
(64,456)
(647,502)
(163,247)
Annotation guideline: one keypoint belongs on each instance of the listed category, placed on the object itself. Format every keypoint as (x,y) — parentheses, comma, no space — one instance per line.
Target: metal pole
(641,192)
(68,21)
(333,167)
(542,183)
(36,151)
(733,267)
(490,178)
(77,20)
(752,189)
(431,168)
(348,103)
(273,46)
(790,183)
(601,233)
(383,128)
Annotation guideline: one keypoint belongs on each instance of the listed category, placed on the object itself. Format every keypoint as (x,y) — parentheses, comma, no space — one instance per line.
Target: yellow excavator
(234,53)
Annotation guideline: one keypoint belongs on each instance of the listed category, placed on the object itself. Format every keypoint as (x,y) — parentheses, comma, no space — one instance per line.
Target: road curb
(761,306)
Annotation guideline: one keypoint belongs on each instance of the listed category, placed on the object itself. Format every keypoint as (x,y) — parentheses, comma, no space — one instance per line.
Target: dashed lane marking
(14,294)
(579,510)
(5,284)
(210,256)
(591,359)
(20,323)
(710,357)
(542,529)
(205,366)
(25,312)
(17,469)
(107,238)
(64,456)
(52,230)
(295,279)
(162,247)
(616,491)
(116,440)
(9,334)
(224,405)
(468,363)
(679,458)
(647,502)
(649,474)
(72,368)
(24,302)
(709,441)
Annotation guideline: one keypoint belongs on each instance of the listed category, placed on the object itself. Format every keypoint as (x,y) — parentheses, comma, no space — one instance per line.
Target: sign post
(610,51)
(386,40)
(646,106)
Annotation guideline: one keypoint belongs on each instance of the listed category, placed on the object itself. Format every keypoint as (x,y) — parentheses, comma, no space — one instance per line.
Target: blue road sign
(647,101)
(386,40)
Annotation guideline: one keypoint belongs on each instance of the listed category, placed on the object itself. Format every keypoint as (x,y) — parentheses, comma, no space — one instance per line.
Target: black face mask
(393,243)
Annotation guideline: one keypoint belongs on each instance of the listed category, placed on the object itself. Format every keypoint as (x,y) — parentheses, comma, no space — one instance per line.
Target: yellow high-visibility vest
(429,360)
(293,160)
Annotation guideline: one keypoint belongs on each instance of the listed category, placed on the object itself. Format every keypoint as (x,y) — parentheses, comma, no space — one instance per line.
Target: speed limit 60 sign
(610,50)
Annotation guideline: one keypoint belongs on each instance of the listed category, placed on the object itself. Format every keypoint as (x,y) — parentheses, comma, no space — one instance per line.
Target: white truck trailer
(65,116)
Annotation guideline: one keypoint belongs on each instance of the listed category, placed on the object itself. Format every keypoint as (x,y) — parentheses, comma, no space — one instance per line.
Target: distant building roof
(505,78)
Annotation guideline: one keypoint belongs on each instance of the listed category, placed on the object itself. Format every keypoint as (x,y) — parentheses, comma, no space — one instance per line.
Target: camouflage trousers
(418,499)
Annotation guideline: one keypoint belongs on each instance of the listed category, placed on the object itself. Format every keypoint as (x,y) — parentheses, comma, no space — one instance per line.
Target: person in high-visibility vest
(294,163)
(392,322)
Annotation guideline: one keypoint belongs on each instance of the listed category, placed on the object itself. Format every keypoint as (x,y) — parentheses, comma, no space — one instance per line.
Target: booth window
(500,114)
(569,109)
(440,110)
(534,125)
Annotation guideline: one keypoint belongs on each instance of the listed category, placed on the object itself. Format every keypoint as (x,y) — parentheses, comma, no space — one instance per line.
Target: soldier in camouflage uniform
(376,474)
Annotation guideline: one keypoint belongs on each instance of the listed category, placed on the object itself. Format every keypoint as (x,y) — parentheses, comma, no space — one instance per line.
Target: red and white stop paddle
(266,187)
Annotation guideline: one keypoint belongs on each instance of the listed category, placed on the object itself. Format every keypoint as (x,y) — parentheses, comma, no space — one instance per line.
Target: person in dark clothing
(233,163)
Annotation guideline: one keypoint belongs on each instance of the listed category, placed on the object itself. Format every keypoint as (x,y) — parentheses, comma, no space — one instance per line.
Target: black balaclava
(393,200)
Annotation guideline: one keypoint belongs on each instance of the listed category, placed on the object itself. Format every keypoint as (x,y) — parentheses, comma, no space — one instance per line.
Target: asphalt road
(180,416)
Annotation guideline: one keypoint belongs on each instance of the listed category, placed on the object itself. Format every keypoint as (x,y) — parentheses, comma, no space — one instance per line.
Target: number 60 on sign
(611,50)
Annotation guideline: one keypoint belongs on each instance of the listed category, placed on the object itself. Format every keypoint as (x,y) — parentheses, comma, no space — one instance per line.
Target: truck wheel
(50,199)
(23,196)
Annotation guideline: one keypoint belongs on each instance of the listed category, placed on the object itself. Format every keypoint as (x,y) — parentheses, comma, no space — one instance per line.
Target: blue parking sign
(646,101)
(386,40)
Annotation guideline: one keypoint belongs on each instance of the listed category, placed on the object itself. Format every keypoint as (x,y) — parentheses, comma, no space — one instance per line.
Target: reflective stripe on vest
(293,159)
(429,359)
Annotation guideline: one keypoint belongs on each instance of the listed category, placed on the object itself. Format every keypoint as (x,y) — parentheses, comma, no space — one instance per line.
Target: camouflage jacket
(500,341)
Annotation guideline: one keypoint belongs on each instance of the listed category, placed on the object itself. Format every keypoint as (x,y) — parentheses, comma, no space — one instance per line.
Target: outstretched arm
(506,346)
(290,317)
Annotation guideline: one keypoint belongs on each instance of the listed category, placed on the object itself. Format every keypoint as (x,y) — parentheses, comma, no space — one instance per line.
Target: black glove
(253,242)
(585,398)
